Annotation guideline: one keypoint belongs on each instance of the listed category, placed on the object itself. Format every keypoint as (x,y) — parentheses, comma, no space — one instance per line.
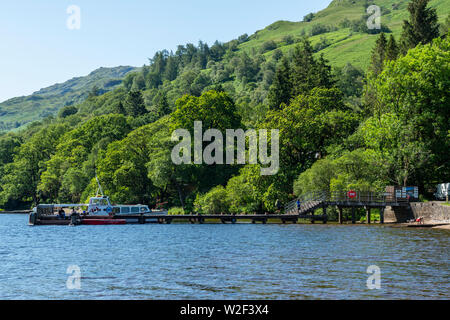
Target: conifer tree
(281,88)
(120,109)
(162,106)
(422,26)
(303,68)
(378,55)
(392,49)
(134,104)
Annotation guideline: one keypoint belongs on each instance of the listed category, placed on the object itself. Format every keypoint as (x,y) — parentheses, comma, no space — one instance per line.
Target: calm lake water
(242,261)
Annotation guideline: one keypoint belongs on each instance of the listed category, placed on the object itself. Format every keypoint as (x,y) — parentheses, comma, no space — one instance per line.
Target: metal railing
(312,200)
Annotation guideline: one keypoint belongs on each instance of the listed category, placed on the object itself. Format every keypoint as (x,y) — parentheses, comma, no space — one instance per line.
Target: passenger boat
(99,211)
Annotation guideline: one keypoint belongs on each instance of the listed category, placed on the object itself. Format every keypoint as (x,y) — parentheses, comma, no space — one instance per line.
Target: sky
(38,49)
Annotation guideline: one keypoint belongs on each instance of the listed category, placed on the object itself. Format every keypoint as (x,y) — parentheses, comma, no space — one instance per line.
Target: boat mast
(99,187)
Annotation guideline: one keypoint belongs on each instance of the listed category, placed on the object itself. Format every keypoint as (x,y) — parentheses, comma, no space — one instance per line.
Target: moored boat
(99,211)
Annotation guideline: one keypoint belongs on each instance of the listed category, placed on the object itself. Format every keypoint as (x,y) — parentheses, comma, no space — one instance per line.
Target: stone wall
(432,212)
(397,214)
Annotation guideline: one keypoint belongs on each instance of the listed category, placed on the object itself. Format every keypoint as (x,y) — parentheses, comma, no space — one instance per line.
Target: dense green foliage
(340,126)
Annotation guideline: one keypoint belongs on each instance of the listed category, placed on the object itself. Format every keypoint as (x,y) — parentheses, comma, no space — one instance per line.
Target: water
(242,261)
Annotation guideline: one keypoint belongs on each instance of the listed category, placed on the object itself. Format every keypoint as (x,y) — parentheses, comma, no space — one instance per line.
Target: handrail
(312,199)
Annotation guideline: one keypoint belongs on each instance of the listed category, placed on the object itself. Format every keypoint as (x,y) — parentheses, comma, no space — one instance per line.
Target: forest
(341,128)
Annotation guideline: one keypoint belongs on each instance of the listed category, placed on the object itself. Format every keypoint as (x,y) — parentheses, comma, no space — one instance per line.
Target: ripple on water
(182,261)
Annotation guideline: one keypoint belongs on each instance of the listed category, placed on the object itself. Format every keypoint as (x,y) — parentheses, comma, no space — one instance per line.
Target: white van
(442,191)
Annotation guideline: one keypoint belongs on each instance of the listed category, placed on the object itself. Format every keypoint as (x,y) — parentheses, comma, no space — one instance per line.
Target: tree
(422,26)
(308,125)
(445,27)
(162,106)
(415,88)
(392,50)
(378,55)
(67,111)
(119,108)
(350,80)
(21,177)
(281,88)
(134,104)
(307,72)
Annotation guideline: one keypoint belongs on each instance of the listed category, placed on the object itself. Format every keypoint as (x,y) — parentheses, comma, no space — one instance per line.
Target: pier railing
(312,200)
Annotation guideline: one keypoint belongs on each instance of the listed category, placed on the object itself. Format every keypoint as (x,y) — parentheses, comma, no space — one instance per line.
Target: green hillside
(335,32)
(340,127)
(18,111)
(343,45)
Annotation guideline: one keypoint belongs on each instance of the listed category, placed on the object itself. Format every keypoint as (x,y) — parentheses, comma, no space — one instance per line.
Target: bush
(213,202)
(268,46)
(319,29)
(175,211)
(288,39)
(67,111)
(308,17)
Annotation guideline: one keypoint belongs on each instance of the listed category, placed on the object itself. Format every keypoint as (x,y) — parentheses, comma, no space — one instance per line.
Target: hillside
(342,44)
(338,32)
(18,111)
(334,134)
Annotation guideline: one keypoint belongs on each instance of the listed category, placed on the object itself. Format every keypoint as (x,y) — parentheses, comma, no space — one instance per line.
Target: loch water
(221,261)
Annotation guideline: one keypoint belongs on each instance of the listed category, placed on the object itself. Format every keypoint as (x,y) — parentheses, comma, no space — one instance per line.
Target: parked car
(442,191)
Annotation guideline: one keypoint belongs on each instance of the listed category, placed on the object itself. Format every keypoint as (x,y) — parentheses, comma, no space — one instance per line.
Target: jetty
(303,208)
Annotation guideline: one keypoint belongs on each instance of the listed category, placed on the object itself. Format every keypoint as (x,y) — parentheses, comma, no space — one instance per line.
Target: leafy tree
(414,87)
(213,202)
(21,177)
(310,124)
(69,170)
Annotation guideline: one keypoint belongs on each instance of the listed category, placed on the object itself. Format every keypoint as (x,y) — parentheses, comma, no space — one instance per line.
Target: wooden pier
(232,219)
(303,208)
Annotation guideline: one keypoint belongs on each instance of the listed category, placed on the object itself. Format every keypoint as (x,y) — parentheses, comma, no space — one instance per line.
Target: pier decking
(303,208)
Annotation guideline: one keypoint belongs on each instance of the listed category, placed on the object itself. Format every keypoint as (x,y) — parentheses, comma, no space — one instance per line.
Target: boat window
(143,209)
(134,209)
(125,210)
(116,209)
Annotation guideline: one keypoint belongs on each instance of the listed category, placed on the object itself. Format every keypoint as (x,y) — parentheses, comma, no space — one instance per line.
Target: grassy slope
(49,100)
(345,46)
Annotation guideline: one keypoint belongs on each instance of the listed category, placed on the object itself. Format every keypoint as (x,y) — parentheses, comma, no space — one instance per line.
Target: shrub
(67,111)
(318,29)
(175,211)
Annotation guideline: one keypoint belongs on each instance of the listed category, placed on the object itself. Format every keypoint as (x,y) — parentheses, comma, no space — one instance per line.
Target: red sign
(351,194)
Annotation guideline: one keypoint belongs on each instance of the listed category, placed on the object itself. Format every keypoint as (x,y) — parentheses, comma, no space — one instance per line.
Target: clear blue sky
(37,49)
